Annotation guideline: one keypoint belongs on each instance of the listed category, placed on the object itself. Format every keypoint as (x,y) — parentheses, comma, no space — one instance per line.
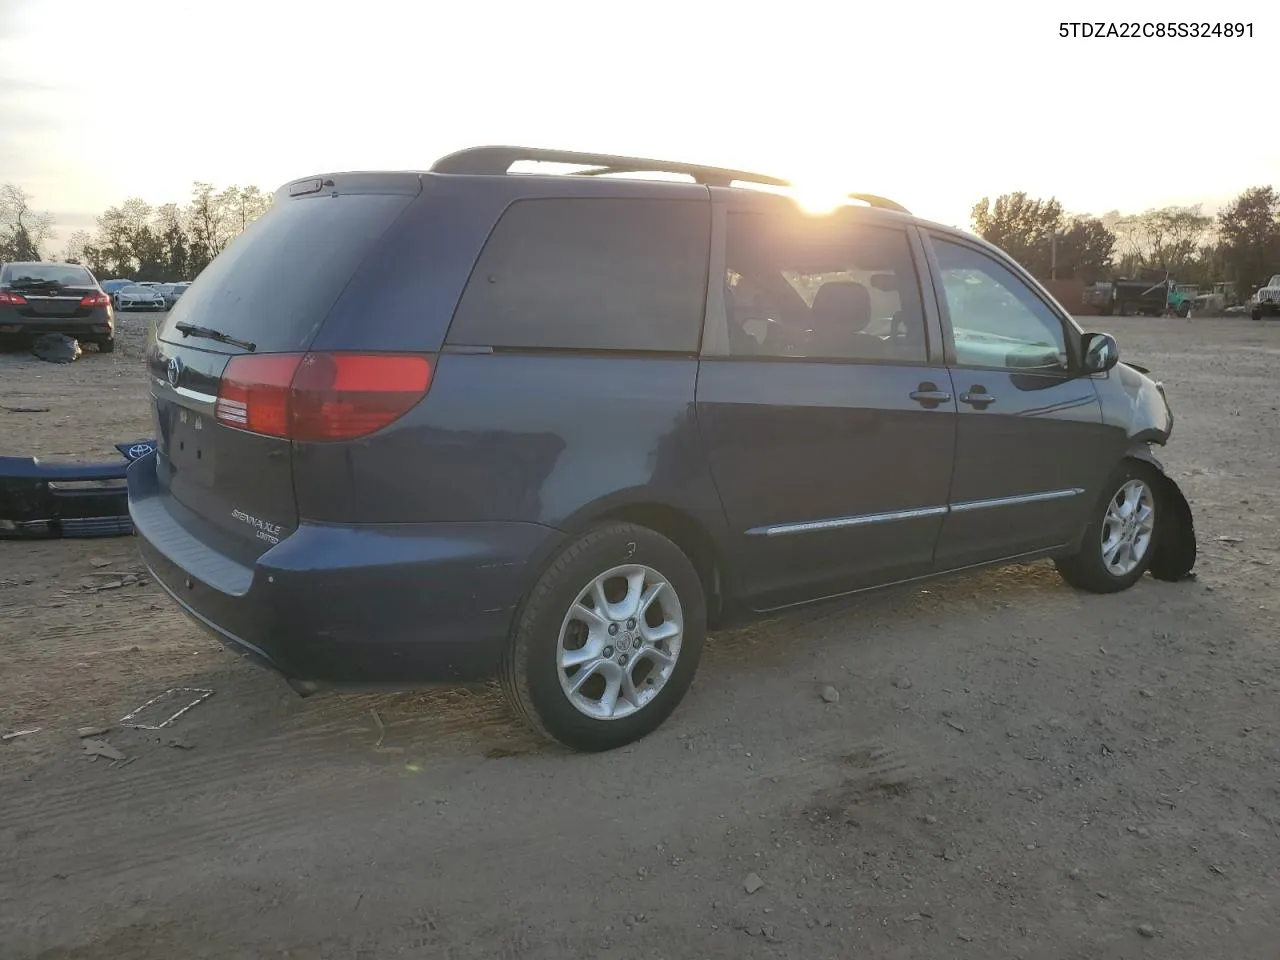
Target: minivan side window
(590,274)
(996,319)
(828,287)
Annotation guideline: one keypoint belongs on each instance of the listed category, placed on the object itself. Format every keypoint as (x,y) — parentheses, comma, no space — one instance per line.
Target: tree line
(1241,244)
(136,240)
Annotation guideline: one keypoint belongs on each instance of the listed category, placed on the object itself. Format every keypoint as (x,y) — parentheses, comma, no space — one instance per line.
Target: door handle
(978,397)
(929,396)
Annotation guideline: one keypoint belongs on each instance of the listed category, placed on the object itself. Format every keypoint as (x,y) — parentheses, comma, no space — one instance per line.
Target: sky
(933,104)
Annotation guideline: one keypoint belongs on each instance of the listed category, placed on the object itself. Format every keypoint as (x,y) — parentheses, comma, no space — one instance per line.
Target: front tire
(608,641)
(1120,541)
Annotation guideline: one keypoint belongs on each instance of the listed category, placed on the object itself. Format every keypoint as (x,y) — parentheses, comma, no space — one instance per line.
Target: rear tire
(596,669)
(107,346)
(1115,552)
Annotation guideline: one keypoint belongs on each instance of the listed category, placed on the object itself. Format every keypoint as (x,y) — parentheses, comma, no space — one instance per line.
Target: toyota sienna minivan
(433,426)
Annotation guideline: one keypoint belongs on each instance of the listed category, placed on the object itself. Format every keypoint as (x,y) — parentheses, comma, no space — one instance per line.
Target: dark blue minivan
(426,426)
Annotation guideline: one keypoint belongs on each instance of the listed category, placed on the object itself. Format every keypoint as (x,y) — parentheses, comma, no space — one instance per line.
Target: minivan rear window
(590,274)
(275,283)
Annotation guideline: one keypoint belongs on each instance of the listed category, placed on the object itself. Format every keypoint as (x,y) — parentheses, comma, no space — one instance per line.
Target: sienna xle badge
(431,426)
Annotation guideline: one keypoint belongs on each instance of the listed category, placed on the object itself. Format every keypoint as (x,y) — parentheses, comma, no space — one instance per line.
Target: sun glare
(819,197)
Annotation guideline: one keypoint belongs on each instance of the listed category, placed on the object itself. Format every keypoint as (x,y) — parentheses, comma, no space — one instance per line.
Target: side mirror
(884,282)
(1101,352)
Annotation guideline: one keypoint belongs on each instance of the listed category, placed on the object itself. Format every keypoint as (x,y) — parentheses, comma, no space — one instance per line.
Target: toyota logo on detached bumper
(175,370)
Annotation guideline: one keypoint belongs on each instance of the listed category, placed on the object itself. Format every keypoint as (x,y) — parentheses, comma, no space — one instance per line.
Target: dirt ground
(1013,769)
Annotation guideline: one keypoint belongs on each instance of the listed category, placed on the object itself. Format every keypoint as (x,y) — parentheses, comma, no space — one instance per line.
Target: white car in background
(139,297)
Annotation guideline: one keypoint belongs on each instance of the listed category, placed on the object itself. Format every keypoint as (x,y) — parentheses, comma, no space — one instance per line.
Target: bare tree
(1168,238)
(135,239)
(77,245)
(248,204)
(209,221)
(171,229)
(23,230)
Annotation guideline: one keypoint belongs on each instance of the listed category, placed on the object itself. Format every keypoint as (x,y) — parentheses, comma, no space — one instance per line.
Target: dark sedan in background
(38,298)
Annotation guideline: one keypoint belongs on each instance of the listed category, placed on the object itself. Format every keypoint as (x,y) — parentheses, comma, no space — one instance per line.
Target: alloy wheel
(1127,528)
(620,642)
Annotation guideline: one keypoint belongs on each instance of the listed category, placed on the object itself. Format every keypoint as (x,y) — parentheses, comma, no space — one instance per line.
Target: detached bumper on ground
(40,500)
(395,604)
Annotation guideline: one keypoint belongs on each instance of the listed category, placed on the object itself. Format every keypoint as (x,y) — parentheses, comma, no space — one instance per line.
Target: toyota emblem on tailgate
(175,370)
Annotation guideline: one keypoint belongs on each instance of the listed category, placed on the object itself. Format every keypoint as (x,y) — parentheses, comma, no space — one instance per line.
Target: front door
(1030,450)
(828,419)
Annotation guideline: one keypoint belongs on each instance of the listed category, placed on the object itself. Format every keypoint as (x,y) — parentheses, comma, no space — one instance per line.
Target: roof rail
(884,203)
(498,160)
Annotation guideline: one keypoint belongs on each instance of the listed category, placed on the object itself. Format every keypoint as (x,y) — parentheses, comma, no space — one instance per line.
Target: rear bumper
(86,327)
(395,604)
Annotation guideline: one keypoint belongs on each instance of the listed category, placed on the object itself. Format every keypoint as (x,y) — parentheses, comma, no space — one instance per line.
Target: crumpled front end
(1175,549)
(1150,421)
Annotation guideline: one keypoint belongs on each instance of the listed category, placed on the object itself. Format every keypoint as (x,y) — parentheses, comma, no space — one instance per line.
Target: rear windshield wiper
(194,330)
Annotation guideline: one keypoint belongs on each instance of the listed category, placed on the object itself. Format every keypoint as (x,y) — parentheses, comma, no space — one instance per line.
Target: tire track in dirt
(175,774)
(353,782)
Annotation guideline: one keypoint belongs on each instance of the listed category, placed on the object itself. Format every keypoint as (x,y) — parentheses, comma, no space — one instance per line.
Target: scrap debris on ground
(56,348)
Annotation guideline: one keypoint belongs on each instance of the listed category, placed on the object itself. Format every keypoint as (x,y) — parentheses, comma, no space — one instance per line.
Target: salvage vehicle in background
(109,287)
(139,297)
(172,293)
(65,298)
(1266,302)
(1152,293)
(613,412)
(1212,302)
(1098,296)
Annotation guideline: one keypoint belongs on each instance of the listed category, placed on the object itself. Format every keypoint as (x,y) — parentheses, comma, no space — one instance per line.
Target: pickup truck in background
(1266,302)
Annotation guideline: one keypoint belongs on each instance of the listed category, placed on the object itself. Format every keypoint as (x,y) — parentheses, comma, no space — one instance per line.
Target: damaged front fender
(1174,554)
(1175,548)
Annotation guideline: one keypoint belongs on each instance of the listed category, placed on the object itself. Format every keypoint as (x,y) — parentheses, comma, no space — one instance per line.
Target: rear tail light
(320,396)
(12,299)
(95,300)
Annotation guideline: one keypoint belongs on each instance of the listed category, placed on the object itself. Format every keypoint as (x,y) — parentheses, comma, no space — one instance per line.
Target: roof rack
(884,203)
(497,161)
